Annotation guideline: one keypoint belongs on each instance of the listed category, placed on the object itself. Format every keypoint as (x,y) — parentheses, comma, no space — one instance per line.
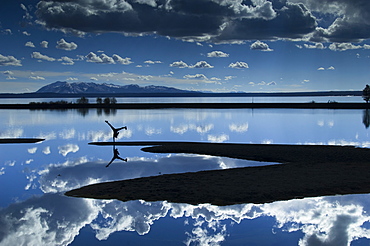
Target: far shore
(306,171)
(307,105)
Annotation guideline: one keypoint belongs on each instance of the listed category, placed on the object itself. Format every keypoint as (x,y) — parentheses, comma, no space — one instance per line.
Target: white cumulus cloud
(29,44)
(202,64)
(239,65)
(120,60)
(44,44)
(258,45)
(105,59)
(217,53)
(39,56)
(64,45)
(9,61)
(179,64)
(67,61)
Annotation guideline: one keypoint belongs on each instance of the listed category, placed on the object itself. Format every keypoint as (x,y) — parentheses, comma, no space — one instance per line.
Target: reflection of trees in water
(366,118)
(107,111)
(83,111)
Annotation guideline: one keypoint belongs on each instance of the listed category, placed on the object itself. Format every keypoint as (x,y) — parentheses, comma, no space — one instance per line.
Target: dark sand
(20,140)
(308,171)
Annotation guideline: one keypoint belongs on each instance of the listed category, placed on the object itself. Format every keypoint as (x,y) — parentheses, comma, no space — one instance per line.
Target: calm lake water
(33,178)
(197,99)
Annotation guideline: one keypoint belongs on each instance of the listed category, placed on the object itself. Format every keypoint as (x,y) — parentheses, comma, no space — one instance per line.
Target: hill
(62,89)
(93,88)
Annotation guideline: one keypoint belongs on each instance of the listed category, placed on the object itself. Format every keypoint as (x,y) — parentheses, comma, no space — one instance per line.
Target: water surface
(247,99)
(33,178)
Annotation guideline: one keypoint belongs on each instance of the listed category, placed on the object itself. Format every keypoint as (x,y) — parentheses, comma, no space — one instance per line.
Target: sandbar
(20,140)
(306,171)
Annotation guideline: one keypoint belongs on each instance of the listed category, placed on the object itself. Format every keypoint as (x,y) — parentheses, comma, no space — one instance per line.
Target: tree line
(82,100)
(99,100)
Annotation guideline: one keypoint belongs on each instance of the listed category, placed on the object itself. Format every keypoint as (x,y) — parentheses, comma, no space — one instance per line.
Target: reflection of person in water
(115,130)
(366,118)
(115,156)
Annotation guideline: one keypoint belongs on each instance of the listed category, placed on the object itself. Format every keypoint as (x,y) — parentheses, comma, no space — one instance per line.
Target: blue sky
(206,45)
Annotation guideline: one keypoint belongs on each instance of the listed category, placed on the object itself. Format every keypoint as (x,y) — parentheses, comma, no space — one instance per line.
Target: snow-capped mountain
(90,87)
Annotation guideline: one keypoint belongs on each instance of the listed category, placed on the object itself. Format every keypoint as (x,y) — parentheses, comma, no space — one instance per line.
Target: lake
(34,177)
(246,99)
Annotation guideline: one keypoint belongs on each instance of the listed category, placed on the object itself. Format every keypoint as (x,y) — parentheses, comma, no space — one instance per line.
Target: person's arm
(110,125)
(110,161)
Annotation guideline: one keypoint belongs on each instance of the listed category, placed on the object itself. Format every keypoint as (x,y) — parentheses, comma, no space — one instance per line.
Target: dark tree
(366,93)
(99,100)
(83,100)
(107,100)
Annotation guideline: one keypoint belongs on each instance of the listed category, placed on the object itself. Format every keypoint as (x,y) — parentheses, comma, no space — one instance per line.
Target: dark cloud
(209,20)
(128,17)
(292,21)
(348,30)
(349,21)
(217,21)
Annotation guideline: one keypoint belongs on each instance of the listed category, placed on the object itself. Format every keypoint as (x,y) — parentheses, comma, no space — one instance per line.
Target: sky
(203,45)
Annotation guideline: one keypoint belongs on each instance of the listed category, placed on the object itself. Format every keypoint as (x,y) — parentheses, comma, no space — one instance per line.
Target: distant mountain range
(94,88)
(62,89)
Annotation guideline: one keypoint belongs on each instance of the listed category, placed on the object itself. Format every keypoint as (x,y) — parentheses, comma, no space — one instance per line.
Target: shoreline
(305,171)
(309,105)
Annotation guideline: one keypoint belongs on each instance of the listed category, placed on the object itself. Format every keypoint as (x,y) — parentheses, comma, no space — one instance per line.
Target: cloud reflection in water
(53,219)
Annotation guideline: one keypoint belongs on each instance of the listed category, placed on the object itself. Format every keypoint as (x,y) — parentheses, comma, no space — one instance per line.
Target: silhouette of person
(115,130)
(115,156)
